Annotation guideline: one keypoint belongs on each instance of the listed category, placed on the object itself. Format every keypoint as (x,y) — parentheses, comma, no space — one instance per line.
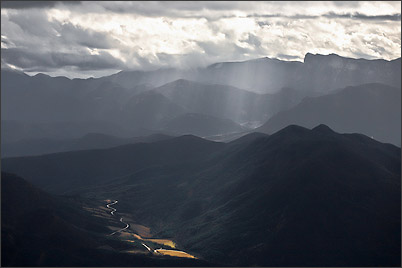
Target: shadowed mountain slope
(90,167)
(39,229)
(371,109)
(201,125)
(87,142)
(299,197)
(217,100)
(15,131)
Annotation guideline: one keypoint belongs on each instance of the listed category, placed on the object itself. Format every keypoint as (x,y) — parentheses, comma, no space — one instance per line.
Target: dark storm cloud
(252,40)
(332,15)
(288,57)
(86,37)
(40,61)
(147,35)
(34,4)
(40,44)
(393,17)
(6,42)
(297,16)
(173,8)
(263,23)
(62,34)
(34,23)
(27,4)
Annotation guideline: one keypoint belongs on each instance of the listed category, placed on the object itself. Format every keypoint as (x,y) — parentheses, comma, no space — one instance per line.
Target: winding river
(160,251)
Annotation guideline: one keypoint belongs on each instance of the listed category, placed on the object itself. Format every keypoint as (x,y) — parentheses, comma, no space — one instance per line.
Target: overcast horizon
(84,39)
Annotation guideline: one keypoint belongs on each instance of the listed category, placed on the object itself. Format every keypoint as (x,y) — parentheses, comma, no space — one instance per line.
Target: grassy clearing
(175,253)
(141,230)
(165,242)
(136,251)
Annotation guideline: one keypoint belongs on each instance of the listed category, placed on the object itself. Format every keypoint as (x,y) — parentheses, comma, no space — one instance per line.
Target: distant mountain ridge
(370,109)
(87,142)
(248,92)
(201,125)
(265,75)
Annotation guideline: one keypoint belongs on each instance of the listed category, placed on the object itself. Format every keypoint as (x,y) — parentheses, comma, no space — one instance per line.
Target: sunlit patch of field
(129,236)
(165,242)
(141,230)
(174,253)
(136,251)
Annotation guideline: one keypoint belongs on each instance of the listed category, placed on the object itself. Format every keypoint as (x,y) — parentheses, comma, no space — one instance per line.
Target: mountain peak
(189,138)
(293,130)
(180,83)
(41,75)
(321,128)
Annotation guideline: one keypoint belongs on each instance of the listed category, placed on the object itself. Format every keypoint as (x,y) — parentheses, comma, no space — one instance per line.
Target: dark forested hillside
(39,229)
(315,196)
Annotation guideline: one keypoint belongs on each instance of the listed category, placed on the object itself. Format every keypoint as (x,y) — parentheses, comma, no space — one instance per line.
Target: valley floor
(136,234)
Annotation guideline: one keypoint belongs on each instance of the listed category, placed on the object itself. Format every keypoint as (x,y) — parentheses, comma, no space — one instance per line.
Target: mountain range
(349,110)
(135,103)
(265,75)
(298,197)
(256,163)
(89,141)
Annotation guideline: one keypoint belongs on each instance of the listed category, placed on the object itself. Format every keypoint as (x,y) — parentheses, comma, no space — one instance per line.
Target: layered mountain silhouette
(256,163)
(298,197)
(106,164)
(15,131)
(89,141)
(218,100)
(266,75)
(201,125)
(248,93)
(316,73)
(371,109)
(149,110)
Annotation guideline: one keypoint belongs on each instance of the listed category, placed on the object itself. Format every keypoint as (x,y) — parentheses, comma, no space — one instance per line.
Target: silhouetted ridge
(322,128)
(94,135)
(310,58)
(372,109)
(293,130)
(249,138)
(188,138)
(201,125)
(180,83)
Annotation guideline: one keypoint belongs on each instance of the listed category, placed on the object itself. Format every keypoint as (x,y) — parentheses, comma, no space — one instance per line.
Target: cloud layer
(81,39)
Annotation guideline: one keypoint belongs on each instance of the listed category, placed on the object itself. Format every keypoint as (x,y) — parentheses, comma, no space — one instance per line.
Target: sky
(97,38)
